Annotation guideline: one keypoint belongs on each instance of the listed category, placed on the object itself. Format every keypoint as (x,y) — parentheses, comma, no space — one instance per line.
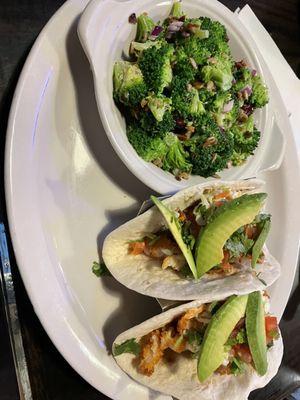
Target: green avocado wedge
(256,333)
(224,222)
(260,241)
(175,229)
(221,325)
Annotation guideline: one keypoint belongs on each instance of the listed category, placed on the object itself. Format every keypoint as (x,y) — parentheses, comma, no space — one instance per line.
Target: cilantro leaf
(238,244)
(129,346)
(187,237)
(235,247)
(100,269)
(240,338)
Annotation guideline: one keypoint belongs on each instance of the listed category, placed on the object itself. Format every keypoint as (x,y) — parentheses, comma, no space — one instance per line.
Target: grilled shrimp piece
(186,321)
(151,353)
(176,262)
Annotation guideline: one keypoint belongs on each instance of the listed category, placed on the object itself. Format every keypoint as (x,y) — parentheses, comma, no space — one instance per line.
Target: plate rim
(47,326)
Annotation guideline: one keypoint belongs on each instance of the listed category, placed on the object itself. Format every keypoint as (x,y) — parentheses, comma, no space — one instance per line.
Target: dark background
(51,377)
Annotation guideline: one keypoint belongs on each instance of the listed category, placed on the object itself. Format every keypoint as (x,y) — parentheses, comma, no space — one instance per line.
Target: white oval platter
(66,189)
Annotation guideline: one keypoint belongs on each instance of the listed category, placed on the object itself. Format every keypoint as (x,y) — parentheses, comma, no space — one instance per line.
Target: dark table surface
(51,377)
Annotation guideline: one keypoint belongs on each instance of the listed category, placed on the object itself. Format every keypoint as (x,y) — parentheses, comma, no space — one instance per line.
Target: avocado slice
(258,245)
(175,229)
(221,325)
(256,332)
(224,222)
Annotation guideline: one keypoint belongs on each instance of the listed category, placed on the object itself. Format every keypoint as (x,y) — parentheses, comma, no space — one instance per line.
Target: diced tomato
(182,216)
(271,323)
(136,248)
(271,327)
(223,195)
(243,352)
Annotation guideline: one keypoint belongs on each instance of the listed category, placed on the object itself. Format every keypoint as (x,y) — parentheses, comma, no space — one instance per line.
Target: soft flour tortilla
(179,379)
(145,275)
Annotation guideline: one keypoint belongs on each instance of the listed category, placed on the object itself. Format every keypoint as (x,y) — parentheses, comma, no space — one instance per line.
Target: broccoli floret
(147,147)
(206,96)
(259,96)
(168,150)
(176,10)
(231,116)
(244,78)
(195,48)
(220,100)
(129,85)
(209,40)
(185,99)
(193,27)
(225,117)
(246,136)
(210,148)
(156,67)
(238,158)
(183,67)
(176,157)
(145,26)
(217,31)
(154,127)
(136,48)
(158,105)
(219,71)
(196,106)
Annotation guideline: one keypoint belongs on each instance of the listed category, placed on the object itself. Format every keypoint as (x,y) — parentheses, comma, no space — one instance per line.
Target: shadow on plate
(133,307)
(92,128)
(116,218)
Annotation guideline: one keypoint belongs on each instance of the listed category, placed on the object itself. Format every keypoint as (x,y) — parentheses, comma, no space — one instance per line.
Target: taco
(206,349)
(207,238)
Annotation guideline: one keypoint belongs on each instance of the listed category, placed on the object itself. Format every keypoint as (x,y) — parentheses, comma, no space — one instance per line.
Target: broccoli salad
(188,105)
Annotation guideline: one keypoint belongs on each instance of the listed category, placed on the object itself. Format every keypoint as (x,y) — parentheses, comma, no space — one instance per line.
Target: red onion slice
(132,18)
(175,26)
(228,106)
(248,109)
(156,31)
(246,92)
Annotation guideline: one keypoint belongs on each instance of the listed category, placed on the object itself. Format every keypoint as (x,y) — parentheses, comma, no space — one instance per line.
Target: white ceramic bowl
(105,35)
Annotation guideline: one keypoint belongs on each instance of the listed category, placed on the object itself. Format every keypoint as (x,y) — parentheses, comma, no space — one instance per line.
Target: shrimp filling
(185,334)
